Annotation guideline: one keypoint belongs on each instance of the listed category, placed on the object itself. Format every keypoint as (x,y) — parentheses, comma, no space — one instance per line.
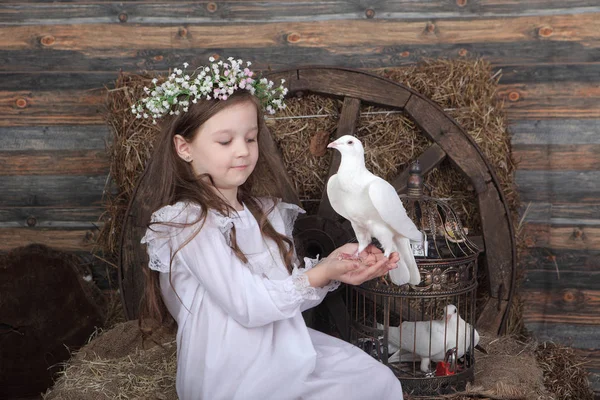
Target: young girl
(222,261)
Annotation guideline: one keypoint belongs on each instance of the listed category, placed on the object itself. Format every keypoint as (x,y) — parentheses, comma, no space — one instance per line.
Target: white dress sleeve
(165,224)
(321,292)
(250,299)
(289,213)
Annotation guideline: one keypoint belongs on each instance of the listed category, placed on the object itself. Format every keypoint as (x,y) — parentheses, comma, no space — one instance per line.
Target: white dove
(443,335)
(373,208)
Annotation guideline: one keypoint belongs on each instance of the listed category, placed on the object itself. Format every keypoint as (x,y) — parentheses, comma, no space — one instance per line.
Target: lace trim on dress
(158,236)
(156,264)
(289,214)
(301,285)
(310,263)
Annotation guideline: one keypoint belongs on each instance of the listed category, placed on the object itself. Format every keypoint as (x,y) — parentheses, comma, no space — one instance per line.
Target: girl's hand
(370,264)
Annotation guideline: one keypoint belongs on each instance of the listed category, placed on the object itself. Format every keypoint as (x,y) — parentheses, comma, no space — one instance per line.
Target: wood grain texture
(551,73)
(503,55)
(557,157)
(145,12)
(573,237)
(561,214)
(581,27)
(552,260)
(566,131)
(510,75)
(51,190)
(52,81)
(548,100)
(551,281)
(370,89)
(561,306)
(69,240)
(49,138)
(70,162)
(50,217)
(577,335)
(51,108)
(559,186)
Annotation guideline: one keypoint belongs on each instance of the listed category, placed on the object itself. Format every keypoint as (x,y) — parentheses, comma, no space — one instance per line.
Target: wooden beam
(31,12)
(71,162)
(430,159)
(559,186)
(68,240)
(51,190)
(315,34)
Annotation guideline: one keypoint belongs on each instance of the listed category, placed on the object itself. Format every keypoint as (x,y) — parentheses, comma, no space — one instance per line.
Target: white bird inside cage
(430,340)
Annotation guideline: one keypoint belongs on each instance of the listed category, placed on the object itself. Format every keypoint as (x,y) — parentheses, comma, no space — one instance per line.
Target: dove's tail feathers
(406,255)
(404,356)
(400,275)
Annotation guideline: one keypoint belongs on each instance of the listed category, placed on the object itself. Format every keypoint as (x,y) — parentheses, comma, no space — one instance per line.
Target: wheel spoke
(282,179)
(429,159)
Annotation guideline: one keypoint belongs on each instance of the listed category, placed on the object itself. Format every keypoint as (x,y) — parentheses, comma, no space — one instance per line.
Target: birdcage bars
(382,312)
(376,314)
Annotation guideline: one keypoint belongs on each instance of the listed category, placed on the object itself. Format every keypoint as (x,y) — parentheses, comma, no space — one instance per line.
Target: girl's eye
(225,143)
(251,140)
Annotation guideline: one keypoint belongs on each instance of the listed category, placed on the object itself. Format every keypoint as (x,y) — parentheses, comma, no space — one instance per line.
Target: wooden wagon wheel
(449,141)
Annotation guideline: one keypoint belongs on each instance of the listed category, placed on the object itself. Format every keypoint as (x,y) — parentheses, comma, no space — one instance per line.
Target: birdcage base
(434,385)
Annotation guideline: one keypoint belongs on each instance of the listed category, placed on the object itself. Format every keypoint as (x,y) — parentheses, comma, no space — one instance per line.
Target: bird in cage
(374,209)
(430,340)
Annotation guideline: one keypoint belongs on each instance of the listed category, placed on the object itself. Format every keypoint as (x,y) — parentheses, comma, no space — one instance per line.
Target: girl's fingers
(358,272)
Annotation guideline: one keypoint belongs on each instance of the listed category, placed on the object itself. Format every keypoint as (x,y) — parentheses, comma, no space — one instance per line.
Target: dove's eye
(350,142)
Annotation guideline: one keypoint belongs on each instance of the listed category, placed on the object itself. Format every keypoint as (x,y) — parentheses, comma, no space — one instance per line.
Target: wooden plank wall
(57,56)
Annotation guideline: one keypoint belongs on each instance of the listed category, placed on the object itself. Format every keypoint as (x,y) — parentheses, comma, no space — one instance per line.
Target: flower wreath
(217,81)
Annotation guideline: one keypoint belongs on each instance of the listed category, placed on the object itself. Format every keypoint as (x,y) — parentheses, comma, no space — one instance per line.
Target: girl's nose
(242,148)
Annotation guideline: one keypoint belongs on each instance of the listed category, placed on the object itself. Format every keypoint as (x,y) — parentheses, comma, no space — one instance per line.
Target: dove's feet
(346,256)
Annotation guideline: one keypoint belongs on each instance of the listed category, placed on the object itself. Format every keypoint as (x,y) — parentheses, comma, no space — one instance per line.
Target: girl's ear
(182,147)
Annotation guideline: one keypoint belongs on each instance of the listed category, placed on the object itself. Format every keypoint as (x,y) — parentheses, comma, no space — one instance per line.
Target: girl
(222,262)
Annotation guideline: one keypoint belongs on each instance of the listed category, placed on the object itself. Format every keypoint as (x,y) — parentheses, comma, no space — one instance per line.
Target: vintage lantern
(424,333)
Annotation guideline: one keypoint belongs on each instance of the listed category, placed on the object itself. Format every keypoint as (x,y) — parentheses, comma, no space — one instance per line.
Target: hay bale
(564,371)
(120,364)
(46,309)
(510,368)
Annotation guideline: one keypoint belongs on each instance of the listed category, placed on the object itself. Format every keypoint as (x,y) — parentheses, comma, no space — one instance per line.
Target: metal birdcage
(412,327)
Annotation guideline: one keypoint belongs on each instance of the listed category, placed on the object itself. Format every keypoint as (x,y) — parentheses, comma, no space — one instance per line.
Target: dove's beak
(332,145)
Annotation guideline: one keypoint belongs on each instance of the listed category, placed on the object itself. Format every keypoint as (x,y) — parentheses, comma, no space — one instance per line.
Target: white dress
(241,334)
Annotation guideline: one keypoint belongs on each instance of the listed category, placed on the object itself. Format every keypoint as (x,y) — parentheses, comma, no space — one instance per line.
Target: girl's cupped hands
(354,270)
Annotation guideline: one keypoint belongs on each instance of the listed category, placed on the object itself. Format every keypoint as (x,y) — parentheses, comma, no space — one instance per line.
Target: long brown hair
(170,179)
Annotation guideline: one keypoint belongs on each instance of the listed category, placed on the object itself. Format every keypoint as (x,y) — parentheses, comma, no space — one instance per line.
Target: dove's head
(348,144)
(450,311)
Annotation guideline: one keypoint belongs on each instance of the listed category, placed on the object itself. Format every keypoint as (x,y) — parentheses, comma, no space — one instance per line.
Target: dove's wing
(393,337)
(390,209)
(335,196)
(429,339)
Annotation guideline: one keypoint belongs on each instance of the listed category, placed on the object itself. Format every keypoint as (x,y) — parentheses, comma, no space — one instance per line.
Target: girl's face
(225,147)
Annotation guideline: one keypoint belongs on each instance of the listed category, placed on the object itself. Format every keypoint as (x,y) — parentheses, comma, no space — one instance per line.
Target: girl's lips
(240,167)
